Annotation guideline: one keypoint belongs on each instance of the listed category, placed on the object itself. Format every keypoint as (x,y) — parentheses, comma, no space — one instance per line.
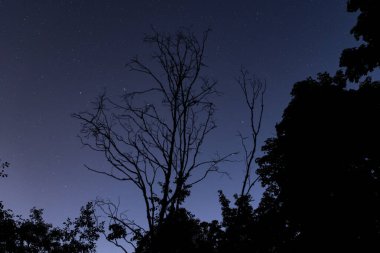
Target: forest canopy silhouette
(320,171)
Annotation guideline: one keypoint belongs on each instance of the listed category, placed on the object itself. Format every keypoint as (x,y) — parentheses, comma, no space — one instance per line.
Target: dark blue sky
(56,56)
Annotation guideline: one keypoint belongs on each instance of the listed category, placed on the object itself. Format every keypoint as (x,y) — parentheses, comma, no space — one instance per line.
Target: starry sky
(57,56)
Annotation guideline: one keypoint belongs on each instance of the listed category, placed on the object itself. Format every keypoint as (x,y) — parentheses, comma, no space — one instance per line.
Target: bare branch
(253,91)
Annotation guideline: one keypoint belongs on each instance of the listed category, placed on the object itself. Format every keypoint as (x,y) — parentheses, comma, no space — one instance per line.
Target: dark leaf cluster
(35,235)
(366,57)
(321,171)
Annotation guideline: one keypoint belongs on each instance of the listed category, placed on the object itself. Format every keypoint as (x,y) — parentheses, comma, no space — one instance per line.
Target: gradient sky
(58,55)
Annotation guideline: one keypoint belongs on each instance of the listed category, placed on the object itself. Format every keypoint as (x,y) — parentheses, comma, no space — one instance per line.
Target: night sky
(57,56)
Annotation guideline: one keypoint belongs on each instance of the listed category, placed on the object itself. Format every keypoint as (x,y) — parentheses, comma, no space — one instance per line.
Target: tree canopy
(321,171)
(35,235)
(365,58)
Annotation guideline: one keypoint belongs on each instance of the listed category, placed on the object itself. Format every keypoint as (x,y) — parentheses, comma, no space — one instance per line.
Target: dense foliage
(35,235)
(365,58)
(182,232)
(322,169)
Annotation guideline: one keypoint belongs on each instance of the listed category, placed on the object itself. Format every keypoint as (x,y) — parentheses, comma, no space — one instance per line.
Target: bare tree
(253,90)
(156,145)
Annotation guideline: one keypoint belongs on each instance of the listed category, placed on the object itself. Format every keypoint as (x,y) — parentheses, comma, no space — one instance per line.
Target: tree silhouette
(365,58)
(321,171)
(181,232)
(35,235)
(153,138)
(239,225)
